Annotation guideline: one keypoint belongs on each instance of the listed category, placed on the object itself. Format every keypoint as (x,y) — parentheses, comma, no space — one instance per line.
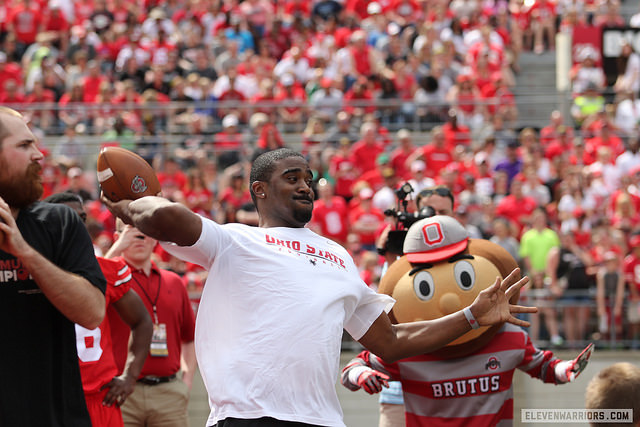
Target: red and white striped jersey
(97,364)
(472,390)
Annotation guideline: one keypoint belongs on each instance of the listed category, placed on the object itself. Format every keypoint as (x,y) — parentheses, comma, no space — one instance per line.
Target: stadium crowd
(357,79)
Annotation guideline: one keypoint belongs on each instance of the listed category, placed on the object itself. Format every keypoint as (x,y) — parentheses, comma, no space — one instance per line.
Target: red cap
(578,212)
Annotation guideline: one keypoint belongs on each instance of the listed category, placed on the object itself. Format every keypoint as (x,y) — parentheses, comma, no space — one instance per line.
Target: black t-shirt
(40,381)
(572,267)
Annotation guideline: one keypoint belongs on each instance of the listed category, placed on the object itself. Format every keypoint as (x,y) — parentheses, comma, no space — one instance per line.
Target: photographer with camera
(438,198)
(430,201)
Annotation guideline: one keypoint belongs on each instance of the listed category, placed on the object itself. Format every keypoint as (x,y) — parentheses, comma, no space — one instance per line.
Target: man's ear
(259,189)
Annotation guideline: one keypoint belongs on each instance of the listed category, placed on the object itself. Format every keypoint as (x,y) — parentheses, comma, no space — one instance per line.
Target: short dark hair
(265,164)
(64,197)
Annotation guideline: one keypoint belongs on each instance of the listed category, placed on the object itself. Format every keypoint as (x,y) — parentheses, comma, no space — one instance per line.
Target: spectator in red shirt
(375,177)
(362,55)
(266,95)
(500,98)
(25,21)
(400,155)
(277,40)
(579,155)
(160,48)
(366,220)
(231,98)
(56,23)
(436,155)
(121,10)
(235,195)
(227,145)
(370,269)
(605,137)
(382,133)
(365,152)
(91,83)
(171,175)
(487,48)
(330,214)
(9,71)
(12,94)
(41,117)
(561,145)
(516,207)
(466,99)
(404,12)
(358,100)
(196,194)
(296,7)
(291,99)
(342,170)
(454,132)
(269,137)
(631,267)
(551,132)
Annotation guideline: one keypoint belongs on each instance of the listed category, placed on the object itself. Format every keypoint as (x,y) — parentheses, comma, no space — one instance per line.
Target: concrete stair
(535,90)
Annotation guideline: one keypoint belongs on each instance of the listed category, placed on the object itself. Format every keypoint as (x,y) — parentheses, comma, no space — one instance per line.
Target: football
(122,174)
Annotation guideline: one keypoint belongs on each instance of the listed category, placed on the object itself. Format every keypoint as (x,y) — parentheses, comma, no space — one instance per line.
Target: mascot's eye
(465,275)
(423,285)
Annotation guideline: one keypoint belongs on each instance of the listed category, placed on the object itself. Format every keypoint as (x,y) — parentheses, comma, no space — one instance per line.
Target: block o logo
(138,185)
(432,233)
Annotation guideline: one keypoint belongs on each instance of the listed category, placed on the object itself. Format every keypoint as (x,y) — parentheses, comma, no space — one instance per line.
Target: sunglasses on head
(440,191)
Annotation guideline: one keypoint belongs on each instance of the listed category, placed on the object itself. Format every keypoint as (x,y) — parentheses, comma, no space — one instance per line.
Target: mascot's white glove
(568,370)
(368,379)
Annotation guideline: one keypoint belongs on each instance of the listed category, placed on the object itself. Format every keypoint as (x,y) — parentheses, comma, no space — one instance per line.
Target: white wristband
(472,320)
(355,372)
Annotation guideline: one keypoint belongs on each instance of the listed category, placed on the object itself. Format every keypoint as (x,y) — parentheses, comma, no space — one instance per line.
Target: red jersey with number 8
(95,354)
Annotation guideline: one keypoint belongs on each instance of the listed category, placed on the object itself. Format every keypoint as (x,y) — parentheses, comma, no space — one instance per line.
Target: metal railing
(394,113)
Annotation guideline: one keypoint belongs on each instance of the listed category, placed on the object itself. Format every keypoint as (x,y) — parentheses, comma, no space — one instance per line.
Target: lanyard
(152,302)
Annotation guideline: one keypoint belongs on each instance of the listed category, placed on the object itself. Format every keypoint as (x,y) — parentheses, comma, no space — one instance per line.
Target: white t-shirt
(269,325)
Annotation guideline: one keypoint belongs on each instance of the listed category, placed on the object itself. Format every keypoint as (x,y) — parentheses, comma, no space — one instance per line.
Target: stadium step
(535,89)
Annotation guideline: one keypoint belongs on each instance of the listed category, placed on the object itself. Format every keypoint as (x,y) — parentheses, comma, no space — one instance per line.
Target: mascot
(469,381)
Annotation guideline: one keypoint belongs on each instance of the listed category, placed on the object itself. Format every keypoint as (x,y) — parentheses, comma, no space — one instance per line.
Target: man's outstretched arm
(159,218)
(491,306)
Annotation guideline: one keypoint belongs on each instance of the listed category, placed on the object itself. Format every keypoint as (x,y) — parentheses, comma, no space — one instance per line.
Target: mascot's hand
(568,370)
(369,379)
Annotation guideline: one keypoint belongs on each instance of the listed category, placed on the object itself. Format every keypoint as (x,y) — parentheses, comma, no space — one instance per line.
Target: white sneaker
(557,340)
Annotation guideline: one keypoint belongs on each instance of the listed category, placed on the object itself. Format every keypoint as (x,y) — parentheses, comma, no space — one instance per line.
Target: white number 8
(88,344)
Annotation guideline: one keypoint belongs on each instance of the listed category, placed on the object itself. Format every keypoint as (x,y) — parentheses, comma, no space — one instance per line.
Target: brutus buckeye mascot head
(442,271)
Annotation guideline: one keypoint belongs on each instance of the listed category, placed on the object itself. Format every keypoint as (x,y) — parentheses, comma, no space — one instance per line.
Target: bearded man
(49,280)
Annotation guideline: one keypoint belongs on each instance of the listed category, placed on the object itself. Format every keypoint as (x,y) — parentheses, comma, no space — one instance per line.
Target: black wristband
(381,251)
